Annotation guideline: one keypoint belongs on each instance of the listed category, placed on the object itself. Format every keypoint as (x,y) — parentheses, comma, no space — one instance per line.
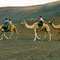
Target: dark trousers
(4,27)
(40,23)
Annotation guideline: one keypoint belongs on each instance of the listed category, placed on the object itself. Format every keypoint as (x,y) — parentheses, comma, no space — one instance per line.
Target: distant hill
(17,14)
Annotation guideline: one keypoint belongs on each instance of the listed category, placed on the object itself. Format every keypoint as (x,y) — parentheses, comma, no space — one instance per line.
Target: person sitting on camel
(10,22)
(41,21)
(6,24)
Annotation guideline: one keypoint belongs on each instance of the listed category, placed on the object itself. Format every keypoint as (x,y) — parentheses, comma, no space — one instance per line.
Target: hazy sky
(23,2)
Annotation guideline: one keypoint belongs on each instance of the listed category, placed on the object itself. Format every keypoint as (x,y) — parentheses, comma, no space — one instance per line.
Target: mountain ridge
(17,14)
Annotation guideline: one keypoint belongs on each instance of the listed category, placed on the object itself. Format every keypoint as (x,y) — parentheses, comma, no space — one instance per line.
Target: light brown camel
(55,26)
(9,29)
(45,28)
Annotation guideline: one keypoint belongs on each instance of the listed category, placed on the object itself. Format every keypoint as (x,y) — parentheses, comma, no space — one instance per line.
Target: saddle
(6,28)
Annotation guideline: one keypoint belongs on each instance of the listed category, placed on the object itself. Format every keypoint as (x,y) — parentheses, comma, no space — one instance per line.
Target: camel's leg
(49,36)
(44,36)
(36,37)
(11,35)
(2,36)
(58,35)
(5,36)
(16,33)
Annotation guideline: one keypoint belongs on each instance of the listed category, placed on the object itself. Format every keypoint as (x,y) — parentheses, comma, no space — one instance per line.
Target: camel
(55,26)
(9,29)
(35,26)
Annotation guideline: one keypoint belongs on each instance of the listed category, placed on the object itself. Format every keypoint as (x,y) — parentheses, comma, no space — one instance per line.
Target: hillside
(17,14)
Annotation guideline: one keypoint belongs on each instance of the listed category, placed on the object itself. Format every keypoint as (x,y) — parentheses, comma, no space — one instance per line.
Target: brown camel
(9,29)
(45,28)
(55,26)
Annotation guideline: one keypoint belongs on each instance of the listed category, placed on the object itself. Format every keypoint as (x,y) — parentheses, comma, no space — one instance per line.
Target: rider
(6,23)
(41,21)
(10,22)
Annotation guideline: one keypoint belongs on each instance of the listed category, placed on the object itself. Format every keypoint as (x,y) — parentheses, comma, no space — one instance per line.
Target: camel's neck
(29,26)
(54,26)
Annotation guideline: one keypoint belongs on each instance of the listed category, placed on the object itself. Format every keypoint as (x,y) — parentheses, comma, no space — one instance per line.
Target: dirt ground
(24,48)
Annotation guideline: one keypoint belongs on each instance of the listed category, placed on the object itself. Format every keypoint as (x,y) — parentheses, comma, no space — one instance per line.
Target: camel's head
(50,22)
(23,22)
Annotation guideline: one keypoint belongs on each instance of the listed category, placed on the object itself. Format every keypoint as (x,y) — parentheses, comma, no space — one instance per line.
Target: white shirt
(10,22)
(41,19)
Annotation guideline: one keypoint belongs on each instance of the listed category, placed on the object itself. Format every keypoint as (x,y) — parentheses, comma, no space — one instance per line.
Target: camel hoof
(39,38)
(34,40)
(8,39)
